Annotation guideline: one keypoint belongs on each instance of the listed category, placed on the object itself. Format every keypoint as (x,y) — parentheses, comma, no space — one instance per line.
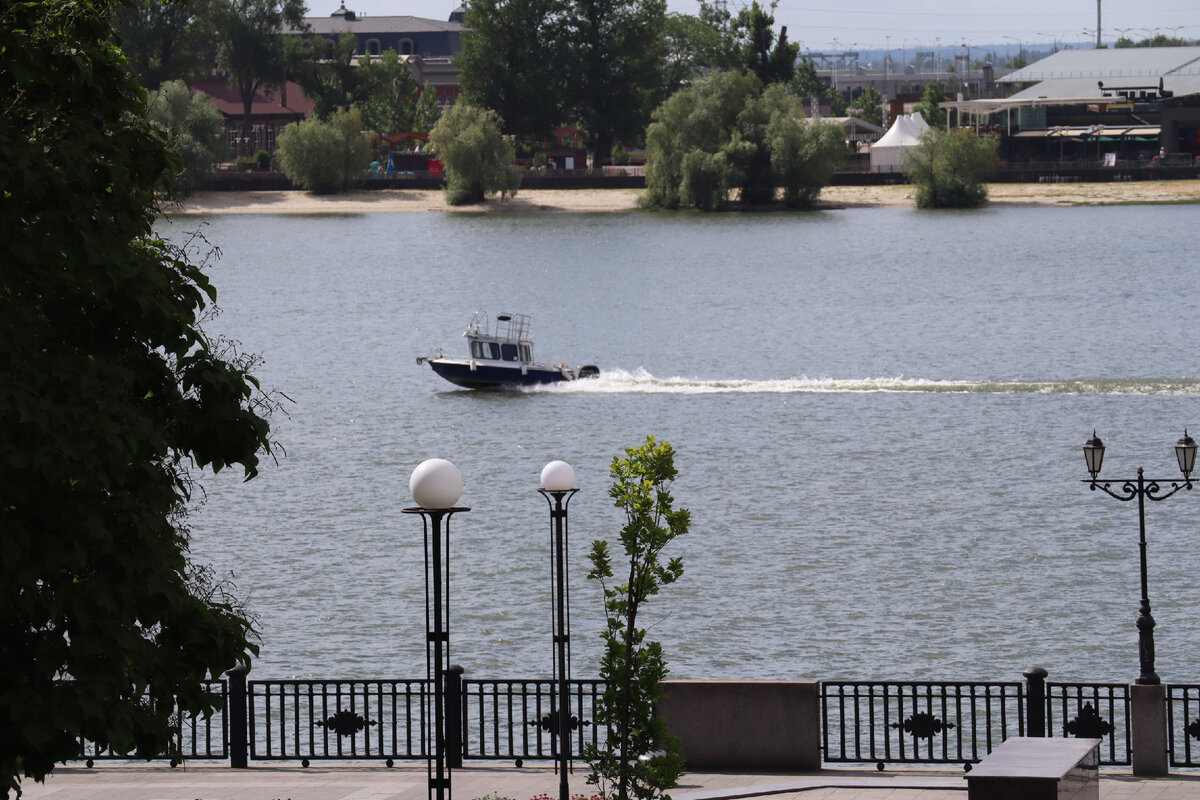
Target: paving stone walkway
(121,781)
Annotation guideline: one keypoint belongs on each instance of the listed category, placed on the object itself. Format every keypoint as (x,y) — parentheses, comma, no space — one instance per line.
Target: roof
(345,21)
(289,102)
(857,123)
(905,131)
(1071,74)
(1149,63)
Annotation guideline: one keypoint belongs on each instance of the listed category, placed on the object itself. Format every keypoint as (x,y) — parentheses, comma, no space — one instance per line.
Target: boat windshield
(485,350)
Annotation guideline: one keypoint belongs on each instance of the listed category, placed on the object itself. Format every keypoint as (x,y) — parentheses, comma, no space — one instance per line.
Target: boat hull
(484,376)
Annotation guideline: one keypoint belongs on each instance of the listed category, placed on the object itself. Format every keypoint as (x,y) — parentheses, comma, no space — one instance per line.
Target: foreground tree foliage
(726,134)
(632,668)
(194,129)
(325,156)
(479,162)
(111,396)
(948,168)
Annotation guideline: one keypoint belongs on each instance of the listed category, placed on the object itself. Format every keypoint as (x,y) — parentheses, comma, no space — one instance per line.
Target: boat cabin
(508,341)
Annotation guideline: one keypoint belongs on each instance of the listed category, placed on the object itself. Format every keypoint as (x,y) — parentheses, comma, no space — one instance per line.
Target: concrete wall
(745,725)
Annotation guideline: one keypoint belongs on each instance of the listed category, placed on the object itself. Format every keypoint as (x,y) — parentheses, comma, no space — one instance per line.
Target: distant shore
(611,200)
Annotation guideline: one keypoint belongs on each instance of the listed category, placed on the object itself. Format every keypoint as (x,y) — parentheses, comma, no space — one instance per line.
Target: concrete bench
(1024,768)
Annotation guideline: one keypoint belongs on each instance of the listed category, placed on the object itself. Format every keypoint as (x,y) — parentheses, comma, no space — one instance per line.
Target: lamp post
(1142,488)
(558,481)
(436,485)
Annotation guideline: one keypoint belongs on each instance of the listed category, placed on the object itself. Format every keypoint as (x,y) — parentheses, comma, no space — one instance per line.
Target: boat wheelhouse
(501,356)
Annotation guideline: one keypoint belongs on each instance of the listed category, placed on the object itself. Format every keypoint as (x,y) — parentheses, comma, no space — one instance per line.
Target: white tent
(904,133)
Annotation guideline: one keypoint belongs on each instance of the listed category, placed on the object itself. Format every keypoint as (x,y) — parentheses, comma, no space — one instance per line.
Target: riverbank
(610,200)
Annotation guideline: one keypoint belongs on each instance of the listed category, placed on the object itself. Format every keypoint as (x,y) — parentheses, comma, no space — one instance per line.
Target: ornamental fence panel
(516,719)
(306,720)
(1092,710)
(1183,724)
(918,722)
(203,738)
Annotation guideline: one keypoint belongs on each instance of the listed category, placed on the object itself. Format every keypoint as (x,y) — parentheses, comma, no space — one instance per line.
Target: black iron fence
(880,722)
(204,738)
(392,720)
(918,722)
(1092,710)
(1183,724)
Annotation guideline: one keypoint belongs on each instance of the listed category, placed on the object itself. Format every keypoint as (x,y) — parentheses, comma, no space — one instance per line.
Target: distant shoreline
(621,200)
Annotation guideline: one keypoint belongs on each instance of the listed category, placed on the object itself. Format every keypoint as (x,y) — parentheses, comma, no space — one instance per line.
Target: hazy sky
(816,24)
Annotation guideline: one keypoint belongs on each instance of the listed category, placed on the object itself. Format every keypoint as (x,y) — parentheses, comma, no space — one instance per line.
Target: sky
(827,26)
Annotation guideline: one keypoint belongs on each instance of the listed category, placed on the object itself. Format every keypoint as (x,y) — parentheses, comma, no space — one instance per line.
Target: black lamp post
(558,481)
(1143,489)
(436,485)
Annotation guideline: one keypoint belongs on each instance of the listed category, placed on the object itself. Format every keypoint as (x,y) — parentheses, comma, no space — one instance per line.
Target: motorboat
(501,357)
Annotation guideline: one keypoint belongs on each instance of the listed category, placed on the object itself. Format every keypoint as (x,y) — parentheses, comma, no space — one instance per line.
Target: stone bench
(1024,768)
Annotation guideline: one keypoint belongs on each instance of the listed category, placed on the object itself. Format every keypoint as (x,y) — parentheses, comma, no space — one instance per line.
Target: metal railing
(1183,724)
(925,722)
(1092,710)
(193,737)
(880,722)
(514,719)
(308,720)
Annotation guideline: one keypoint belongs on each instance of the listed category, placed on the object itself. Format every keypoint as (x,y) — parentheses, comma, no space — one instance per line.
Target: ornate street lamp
(558,482)
(1142,488)
(436,485)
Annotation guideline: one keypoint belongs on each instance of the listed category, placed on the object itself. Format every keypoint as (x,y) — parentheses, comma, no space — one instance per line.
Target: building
(269,112)
(1133,103)
(428,45)
(408,36)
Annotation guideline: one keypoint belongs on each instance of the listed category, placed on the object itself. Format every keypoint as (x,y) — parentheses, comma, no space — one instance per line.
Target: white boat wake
(639,381)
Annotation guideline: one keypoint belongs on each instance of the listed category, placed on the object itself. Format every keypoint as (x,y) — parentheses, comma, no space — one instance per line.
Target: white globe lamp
(557,476)
(436,484)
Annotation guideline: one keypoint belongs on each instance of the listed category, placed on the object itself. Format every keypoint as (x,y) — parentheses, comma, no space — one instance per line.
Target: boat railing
(509,327)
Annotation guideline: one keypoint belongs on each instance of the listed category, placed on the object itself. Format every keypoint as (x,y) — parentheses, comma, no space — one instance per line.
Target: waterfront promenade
(407,782)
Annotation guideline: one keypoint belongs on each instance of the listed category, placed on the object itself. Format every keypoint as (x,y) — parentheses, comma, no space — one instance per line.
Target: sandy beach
(608,200)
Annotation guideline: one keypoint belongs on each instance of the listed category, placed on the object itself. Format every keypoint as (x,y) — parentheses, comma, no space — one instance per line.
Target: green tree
(112,400)
(426,111)
(514,61)
(699,118)
(164,41)
(251,48)
(616,55)
(325,71)
(325,156)
(195,130)
(696,45)
(633,669)
(389,94)
(932,113)
(479,162)
(772,58)
(870,103)
(726,133)
(805,82)
(948,168)
(805,153)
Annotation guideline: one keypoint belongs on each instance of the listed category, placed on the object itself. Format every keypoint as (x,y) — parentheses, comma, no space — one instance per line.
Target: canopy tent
(904,133)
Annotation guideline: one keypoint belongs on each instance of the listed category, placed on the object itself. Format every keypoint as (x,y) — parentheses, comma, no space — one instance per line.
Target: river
(878,417)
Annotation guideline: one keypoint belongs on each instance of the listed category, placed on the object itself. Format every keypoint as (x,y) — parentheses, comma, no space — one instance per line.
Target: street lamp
(1143,489)
(436,485)
(558,482)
